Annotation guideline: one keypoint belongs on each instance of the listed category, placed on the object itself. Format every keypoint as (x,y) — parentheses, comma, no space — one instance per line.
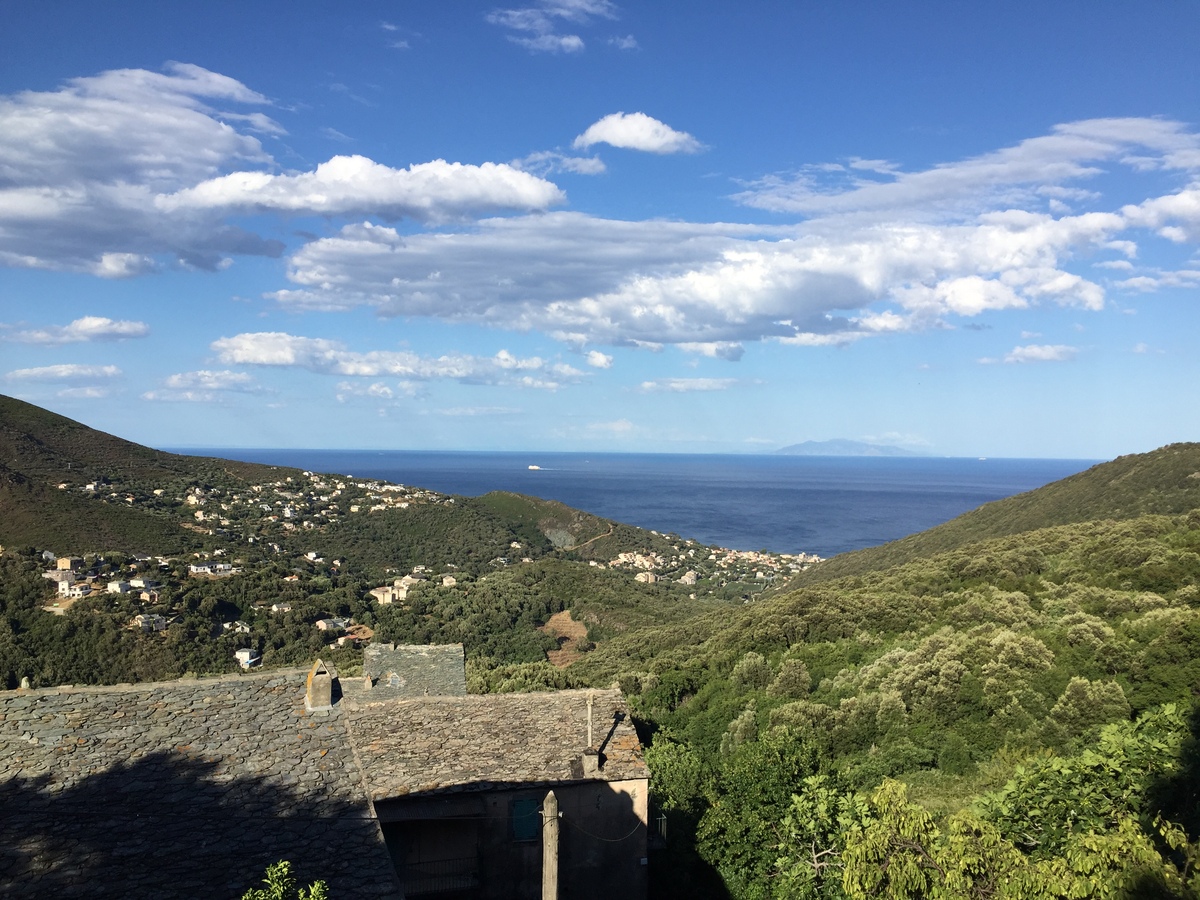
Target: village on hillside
(264,528)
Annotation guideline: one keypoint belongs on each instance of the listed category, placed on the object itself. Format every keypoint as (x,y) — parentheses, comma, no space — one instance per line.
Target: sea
(785,504)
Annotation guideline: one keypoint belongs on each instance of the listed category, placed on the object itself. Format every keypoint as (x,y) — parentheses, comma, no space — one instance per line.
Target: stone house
(392,785)
(60,576)
(334,624)
(149,622)
(388,594)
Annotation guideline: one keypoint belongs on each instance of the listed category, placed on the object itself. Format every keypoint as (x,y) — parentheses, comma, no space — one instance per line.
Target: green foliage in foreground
(998,721)
(280,884)
(778,823)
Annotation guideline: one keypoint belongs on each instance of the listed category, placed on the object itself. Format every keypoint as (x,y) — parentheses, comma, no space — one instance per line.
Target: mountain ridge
(843,447)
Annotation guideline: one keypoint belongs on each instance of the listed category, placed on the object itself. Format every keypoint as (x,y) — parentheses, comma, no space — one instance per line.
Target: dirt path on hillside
(596,538)
(568,633)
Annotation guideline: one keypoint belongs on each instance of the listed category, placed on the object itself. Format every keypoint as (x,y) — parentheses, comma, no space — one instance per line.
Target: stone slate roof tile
(477,741)
(415,670)
(191,788)
(187,788)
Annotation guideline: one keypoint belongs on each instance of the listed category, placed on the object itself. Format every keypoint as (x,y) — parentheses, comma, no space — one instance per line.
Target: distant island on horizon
(843,447)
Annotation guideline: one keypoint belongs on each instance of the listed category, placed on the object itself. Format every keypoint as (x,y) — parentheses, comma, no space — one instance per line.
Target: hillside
(1163,482)
(246,556)
(68,487)
(47,447)
(40,450)
(1002,700)
(1026,695)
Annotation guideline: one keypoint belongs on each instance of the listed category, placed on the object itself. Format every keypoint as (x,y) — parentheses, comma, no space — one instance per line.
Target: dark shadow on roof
(171,825)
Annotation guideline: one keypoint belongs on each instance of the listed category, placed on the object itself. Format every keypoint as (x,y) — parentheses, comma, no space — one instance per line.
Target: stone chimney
(318,692)
(591,763)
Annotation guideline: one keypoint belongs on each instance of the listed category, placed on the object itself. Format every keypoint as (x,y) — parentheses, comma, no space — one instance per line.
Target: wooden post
(550,847)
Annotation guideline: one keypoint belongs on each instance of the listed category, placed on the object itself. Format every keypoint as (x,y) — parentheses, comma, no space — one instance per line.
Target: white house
(248,658)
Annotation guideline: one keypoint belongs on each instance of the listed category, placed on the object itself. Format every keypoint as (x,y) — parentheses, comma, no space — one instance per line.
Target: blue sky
(584,225)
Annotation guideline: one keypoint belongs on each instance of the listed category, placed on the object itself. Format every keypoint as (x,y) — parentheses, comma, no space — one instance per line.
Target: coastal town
(269,533)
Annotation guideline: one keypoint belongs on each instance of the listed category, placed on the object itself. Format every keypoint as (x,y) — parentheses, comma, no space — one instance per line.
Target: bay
(785,504)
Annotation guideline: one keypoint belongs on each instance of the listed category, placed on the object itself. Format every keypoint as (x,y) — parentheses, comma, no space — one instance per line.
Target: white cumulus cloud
(888,252)
(202,386)
(132,171)
(86,328)
(332,358)
(71,372)
(686,385)
(705,287)
(637,131)
(436,191)
(1041,353)
(80,166)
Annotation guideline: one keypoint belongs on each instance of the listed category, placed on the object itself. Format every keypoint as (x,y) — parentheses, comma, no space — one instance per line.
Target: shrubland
(1006,719)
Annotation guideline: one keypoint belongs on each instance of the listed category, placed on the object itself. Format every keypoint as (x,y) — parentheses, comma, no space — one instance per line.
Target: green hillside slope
(32,514)
(48,447)
(145,500)
(41,450)
(1163,482)
(1024,694)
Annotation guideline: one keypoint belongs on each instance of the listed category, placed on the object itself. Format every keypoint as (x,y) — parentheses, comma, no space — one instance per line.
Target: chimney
(591,763)
(591,756)
(318,693)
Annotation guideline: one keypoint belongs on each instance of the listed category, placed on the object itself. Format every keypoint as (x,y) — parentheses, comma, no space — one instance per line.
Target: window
(526,819)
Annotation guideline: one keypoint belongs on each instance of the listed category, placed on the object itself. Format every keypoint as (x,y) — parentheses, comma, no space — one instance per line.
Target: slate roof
(484,741)
(182,789)
(191,788)
(415,670)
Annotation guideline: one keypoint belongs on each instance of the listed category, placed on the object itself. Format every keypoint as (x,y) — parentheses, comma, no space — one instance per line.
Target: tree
(281,885)
(810,864)
(749,799)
